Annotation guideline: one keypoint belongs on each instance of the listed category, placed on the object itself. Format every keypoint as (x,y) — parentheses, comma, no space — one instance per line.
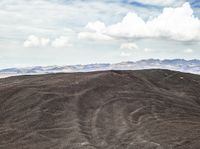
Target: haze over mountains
(144,109)
(191,66)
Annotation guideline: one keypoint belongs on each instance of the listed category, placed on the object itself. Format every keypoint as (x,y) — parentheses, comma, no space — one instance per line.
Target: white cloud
(173,23)
(176,23)
(61,42)
(188,51)
(96,26)
(129,46)
(34,41)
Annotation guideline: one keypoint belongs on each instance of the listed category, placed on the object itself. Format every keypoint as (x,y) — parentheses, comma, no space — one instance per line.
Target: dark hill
(148,109)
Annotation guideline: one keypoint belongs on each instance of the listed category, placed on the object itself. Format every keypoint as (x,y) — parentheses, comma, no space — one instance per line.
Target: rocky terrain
(144,109)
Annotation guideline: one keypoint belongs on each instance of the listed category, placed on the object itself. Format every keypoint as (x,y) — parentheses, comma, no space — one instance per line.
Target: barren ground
(146,109)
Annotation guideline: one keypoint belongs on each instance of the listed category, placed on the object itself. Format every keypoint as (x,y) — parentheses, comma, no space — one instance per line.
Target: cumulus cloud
(173,23)
(61,42)
(98,27)
(34,41)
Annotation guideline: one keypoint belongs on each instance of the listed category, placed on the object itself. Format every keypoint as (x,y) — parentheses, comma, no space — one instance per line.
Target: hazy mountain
(192,66)
(144,109)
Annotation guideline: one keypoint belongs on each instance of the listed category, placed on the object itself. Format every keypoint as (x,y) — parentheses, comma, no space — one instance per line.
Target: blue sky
(64,32)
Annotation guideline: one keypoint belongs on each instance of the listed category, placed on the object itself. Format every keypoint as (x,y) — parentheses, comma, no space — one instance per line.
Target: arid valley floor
(145,109)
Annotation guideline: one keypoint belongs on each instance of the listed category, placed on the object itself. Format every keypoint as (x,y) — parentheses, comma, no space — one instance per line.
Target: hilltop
(143,109)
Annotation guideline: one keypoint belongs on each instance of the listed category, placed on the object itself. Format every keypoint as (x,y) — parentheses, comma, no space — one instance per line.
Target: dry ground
(147,109)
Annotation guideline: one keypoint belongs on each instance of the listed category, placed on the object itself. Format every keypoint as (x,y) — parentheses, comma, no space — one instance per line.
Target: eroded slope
(149,109)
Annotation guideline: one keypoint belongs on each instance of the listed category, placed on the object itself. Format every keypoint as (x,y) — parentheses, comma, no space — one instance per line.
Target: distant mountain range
(191,66)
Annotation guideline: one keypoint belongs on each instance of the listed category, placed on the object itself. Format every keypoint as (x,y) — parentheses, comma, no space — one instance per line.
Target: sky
(66,32)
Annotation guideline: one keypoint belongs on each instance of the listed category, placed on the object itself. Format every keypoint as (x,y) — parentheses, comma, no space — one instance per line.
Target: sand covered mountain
(144,109)
(191,66)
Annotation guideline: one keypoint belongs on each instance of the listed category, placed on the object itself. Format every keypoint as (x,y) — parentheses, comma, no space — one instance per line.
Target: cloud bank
(173,23)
